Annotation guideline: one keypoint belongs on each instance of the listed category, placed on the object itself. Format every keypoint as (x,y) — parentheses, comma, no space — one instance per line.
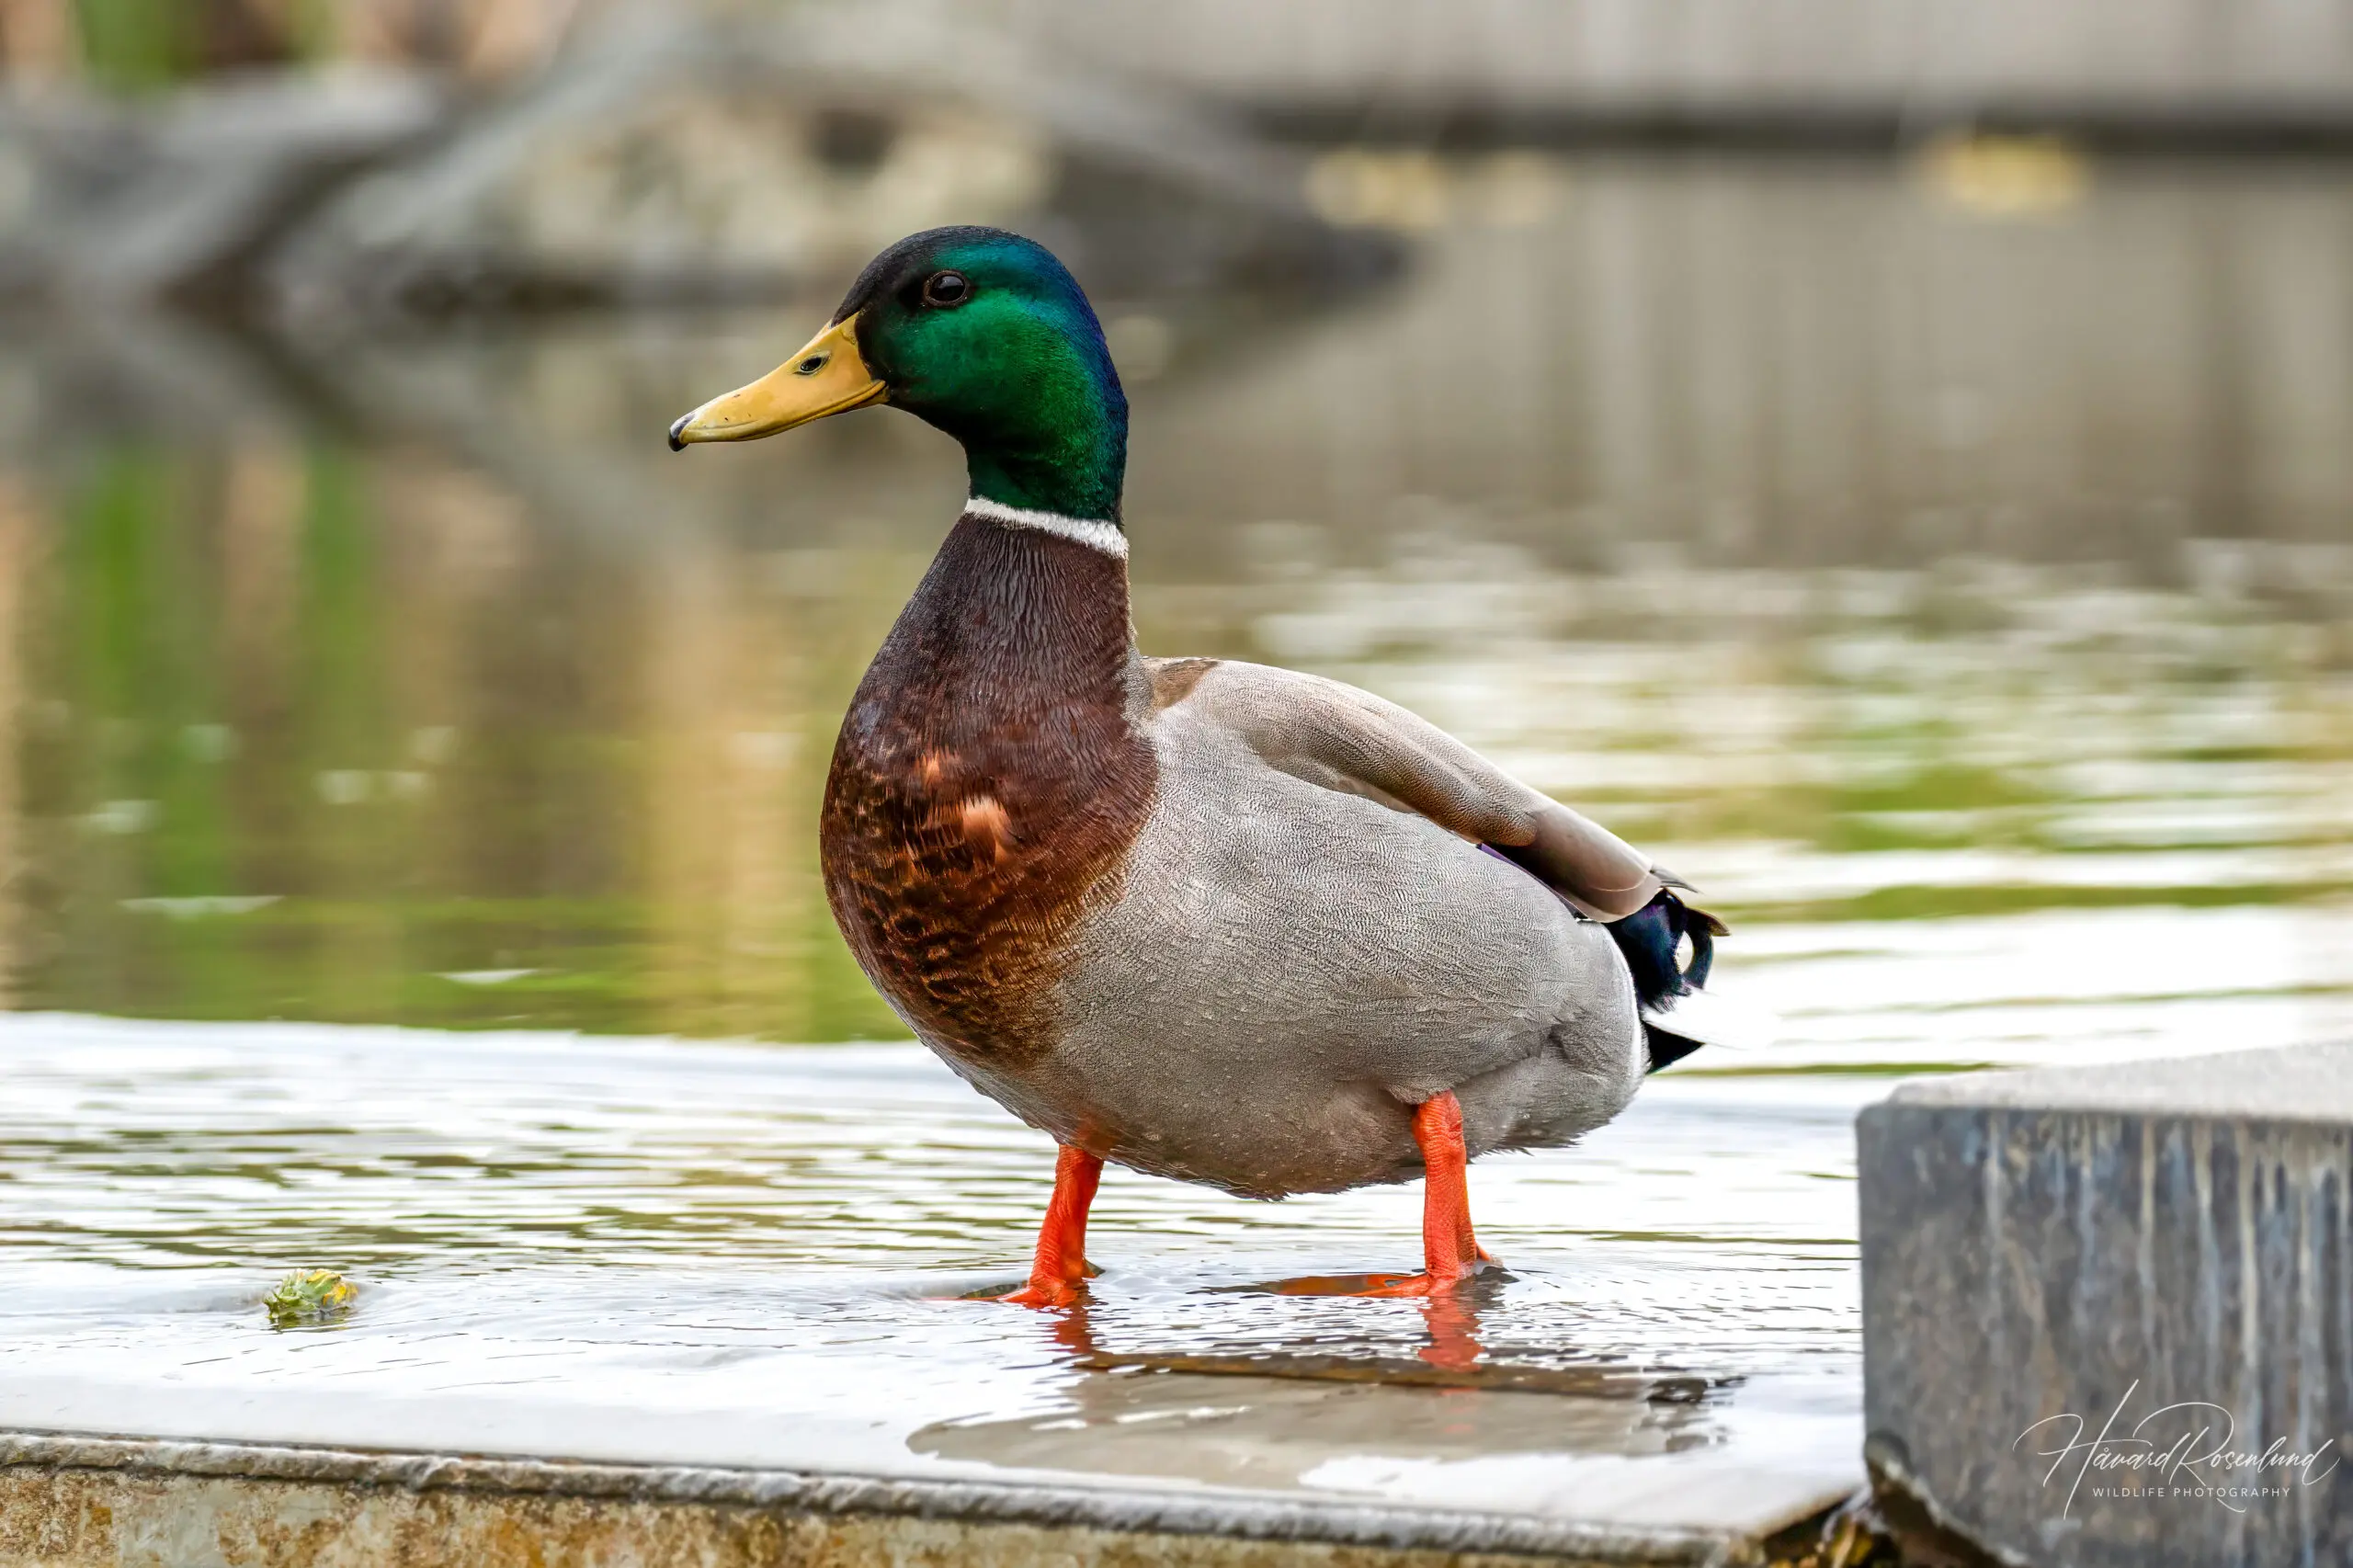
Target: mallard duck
(1207,919)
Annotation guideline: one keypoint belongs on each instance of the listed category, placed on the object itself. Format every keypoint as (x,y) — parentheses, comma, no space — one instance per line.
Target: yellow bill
(826,377)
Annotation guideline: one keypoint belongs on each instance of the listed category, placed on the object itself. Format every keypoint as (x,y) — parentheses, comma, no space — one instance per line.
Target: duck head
(980,332)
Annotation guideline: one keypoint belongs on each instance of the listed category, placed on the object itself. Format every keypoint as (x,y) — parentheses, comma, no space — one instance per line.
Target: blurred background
(1892,458)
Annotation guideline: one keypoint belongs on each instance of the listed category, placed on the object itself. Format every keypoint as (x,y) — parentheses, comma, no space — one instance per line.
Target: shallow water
(1957,593)
(536,1221)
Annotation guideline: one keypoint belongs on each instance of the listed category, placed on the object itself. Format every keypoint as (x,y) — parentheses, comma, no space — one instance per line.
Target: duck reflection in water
(1285,1418)
(1452,1317)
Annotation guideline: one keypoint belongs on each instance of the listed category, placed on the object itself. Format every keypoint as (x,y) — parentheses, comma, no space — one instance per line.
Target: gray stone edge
(1882,1116)
(2093,1089)
(1128,1510)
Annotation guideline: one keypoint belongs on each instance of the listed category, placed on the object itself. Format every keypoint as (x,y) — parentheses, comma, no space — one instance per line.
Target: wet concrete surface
(751,1259)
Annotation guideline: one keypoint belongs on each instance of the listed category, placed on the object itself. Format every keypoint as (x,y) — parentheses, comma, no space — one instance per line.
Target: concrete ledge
(69,1502)
(2108,1314)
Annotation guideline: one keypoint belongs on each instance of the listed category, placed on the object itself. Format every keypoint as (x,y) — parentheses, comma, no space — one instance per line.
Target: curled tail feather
(1651,939)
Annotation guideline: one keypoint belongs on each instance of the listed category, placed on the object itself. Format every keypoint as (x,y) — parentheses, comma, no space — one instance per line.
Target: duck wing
(1341,738)
(1333,734)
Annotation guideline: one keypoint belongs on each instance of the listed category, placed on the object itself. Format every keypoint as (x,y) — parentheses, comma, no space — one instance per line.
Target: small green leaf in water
(309,1295)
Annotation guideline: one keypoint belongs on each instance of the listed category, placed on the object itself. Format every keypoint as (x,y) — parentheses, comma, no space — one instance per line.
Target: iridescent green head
(981,333)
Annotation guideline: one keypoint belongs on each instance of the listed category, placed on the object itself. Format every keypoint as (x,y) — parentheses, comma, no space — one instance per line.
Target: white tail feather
(1714,1020)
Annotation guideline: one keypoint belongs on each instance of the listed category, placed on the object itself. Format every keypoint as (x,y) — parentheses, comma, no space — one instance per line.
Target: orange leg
(1451,1251)
(1058,1272)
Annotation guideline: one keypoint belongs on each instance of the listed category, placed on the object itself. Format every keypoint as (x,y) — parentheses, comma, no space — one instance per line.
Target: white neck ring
(1092,533)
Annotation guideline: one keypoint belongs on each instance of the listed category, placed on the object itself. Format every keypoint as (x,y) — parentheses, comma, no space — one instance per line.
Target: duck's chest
(987,785)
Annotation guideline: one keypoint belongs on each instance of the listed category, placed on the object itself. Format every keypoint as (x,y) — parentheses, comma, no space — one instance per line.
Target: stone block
(2109,1311)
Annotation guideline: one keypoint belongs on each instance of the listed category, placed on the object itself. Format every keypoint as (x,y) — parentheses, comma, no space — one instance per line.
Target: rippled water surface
(748,1236)
(1958,597)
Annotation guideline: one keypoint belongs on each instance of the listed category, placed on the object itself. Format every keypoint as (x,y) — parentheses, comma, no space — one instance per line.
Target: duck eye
(946,289)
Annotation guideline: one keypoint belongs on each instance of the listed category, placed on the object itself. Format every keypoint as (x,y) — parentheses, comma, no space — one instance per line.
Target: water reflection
(730,1255)
(1455,1354)
(1274,1431)
(1874,561)
(1459,1351)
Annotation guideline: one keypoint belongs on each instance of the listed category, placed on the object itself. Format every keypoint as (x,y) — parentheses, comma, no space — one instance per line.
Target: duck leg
(1059,1271)
(1451,1250)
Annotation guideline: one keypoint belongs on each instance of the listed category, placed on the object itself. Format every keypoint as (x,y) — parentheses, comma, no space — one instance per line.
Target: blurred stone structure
(1404,68)
(1804,70)
(501,153)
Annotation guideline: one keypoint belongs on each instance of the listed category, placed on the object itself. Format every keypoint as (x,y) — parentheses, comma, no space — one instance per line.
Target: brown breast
(987,785)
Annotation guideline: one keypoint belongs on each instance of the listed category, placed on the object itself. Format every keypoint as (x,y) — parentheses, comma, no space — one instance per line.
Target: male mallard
(1206,918)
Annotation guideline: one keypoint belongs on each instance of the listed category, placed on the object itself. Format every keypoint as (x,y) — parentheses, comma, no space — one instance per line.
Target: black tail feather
(1666,1049)
(1702,928)
(1651,939)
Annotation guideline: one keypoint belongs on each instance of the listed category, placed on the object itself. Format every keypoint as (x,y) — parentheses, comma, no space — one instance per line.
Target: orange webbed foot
(1425,1284)
(1053,1290)
(1045,1293)
(1058,1277)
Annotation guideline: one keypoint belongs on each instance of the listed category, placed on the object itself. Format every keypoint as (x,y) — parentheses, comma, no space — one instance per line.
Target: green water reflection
(281,758)
(1868,561)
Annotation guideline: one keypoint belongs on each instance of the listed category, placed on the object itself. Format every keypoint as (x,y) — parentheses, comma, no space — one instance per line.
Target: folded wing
(1337,736)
